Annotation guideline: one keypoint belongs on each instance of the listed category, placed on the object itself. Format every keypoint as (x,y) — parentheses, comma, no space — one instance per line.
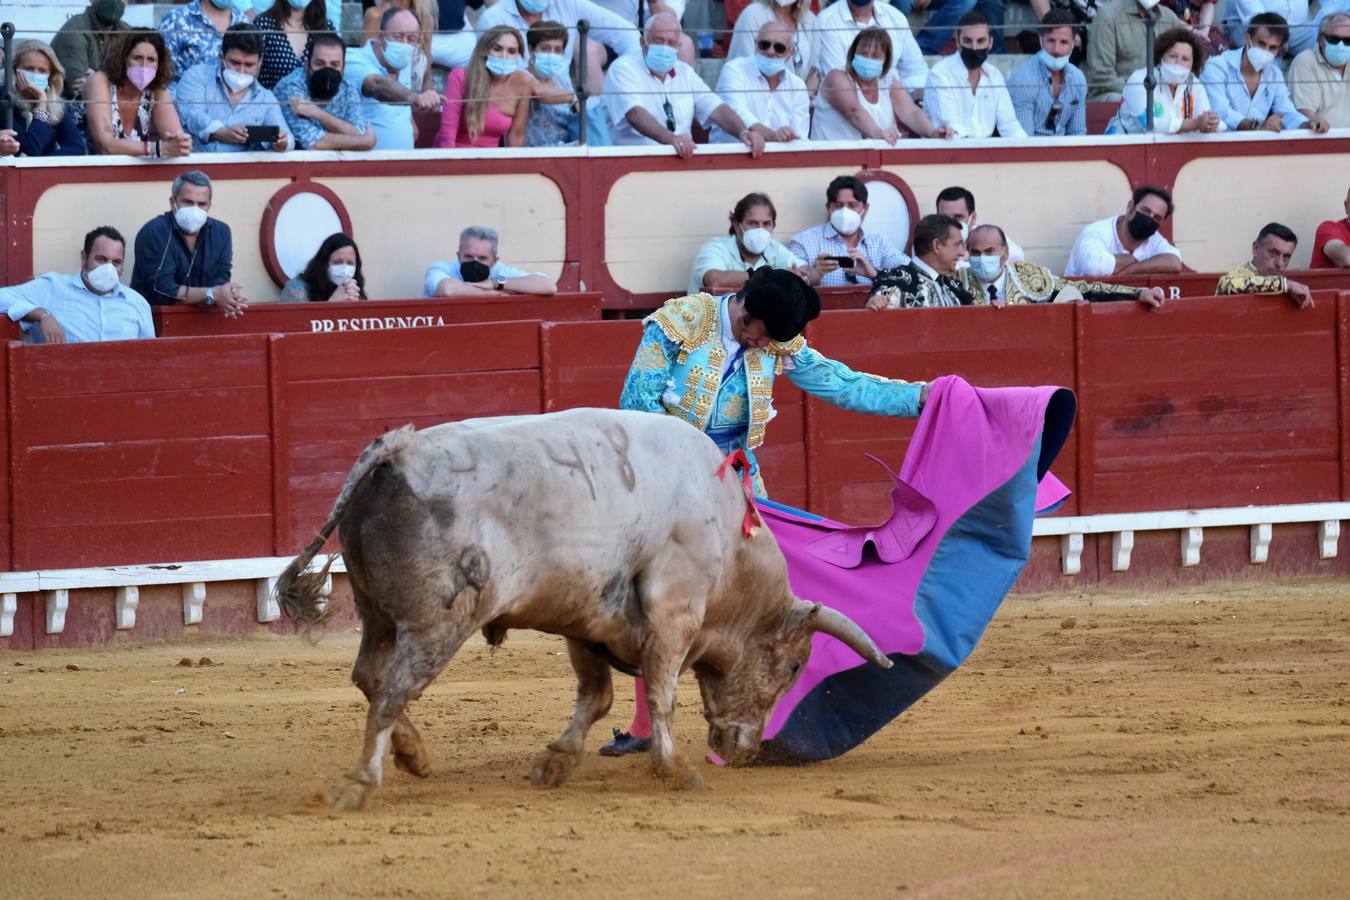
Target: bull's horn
(837,625)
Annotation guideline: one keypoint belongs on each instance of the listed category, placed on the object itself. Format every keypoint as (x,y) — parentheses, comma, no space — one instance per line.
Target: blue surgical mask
(397,54)
(550,65)
(533,7)
(1053,63)
(770,66)
(299,4)
(1337,54)
(501,66)
(38,80)
(867,68)
(986,268)
(660,57)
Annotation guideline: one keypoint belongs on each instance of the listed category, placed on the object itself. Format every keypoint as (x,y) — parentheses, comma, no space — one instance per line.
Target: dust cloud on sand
(1193,743)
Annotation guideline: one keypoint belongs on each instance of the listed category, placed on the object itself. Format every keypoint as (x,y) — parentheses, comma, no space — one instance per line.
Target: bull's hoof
(350,798)
(414,764)
(552,768)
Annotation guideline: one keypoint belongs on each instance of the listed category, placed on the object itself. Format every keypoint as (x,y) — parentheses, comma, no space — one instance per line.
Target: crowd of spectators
(229,75)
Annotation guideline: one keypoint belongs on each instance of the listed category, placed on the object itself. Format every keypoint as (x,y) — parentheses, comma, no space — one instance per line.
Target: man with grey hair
(653,97)
(476,271)
(1319,77)
(185,257)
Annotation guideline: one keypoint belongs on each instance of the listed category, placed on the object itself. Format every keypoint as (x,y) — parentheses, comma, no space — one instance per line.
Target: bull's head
(738,699)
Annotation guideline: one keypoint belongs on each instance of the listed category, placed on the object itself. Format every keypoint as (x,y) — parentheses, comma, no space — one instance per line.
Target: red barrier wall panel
(6,518)
(161,457)
(340,391)
(1211,403)
(988,347)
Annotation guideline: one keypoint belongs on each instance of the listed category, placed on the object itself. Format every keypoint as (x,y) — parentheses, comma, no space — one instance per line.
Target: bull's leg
(377,642)
(391,674)
(661,670)
(595,693)
(409,754)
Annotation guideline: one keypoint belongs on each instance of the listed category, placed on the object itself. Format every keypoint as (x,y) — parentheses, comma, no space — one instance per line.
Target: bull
(611,529)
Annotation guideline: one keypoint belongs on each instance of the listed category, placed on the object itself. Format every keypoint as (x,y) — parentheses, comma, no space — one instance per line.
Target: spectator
(764,92)
(381,71)
(91,306)
(82,43)
(1198,16)
(127,102)
(555,116)
(1246,86)
(1265,274)
(724,264)
(628,11)
(1180,101)
(322,110)
(43,125)
(183,256)
(968,94)
(487,104)
(426,13)
(930,278)
(477,272)
(454,40)
(838,26)
(842,238)
(1302,34)
(859,102)
(1049,93)
(994,279)
(653,97)
(799,19)
(1128,244)
(334,273)
(959,204)
(1116,44)
(1320,76)
(1331,244)
(9,142)
(288,30)
(614,32)
(193,33)
(220,100)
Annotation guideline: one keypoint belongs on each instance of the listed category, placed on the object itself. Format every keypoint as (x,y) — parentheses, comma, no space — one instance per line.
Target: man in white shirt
(1302,34)
(966,92)
(959,204)
(764,92)
(653,98)
(1128,244)
(607,29)
(839,23)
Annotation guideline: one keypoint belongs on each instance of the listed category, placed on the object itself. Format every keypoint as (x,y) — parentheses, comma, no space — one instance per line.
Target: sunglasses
(765,46)
(670,115)
(1330,40)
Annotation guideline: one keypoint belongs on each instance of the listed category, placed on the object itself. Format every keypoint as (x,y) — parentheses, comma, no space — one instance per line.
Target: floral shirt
(345,105)
(191,37)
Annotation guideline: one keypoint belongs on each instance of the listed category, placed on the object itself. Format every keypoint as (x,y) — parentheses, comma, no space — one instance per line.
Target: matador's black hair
(783,301)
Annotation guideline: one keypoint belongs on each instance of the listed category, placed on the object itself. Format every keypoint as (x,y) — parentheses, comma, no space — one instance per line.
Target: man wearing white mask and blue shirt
(608,30)
(193,32)
(92,305)
(653,98)
(840,250)
(764,92)
(218,101)
(381,71)
(1049,93)
(1245,86)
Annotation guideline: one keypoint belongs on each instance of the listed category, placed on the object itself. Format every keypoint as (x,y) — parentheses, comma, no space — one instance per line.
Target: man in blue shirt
(90,306)
(218,100)
(1246,86)
(382,73)
(183,256)
(476,271)
(321,108)
(1049,93)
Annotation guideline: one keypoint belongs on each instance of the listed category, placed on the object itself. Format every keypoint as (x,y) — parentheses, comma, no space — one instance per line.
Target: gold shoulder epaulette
(688,321)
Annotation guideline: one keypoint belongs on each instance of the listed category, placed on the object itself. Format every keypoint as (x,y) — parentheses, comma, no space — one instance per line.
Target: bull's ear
(837,625)
(801,617)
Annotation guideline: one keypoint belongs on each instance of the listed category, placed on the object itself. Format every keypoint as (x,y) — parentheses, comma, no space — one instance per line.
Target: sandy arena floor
(1190,744)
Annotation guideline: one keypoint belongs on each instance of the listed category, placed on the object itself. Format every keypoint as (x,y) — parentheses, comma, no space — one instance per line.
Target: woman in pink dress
(487,103)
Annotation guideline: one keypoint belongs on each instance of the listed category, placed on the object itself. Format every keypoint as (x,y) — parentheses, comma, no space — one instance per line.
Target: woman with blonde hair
(43,125)
(128,107)
(797,16)
(487,103)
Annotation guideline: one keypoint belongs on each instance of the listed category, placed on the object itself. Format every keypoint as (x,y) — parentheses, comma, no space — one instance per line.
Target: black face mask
(473,271)
(974,58)
(1141,227)
(324,84)
(109,12)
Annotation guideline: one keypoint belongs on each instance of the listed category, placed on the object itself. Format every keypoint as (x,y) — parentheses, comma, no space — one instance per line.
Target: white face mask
(785,2)
(756,240)
(1259,57)
(1172,73)
(189,219)
(341,273)
(236,81)
(103,278)
(1149,4)
(845,221)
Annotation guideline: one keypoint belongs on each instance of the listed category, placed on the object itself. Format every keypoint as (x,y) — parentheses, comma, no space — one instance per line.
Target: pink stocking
(642,720)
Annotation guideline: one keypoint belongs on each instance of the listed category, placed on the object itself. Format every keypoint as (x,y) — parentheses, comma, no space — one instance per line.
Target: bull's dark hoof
(624,743)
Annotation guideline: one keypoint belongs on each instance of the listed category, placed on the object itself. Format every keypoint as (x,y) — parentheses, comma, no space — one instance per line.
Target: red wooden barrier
(374,315)
(6,512)
(139,451)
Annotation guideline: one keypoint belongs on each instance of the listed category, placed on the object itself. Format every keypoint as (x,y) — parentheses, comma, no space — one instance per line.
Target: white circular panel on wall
(888,214)
(303,222)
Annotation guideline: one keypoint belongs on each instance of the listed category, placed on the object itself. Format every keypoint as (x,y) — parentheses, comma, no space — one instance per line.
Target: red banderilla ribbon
(737,460)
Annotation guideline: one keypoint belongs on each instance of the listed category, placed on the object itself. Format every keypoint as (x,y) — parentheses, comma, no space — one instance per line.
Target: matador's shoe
(624,743)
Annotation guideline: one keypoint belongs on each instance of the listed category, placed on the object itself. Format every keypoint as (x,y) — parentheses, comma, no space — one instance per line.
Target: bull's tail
(300,591)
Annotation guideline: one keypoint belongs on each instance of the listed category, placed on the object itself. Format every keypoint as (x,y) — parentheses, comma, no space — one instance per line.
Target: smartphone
(262,134)
(845,262)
